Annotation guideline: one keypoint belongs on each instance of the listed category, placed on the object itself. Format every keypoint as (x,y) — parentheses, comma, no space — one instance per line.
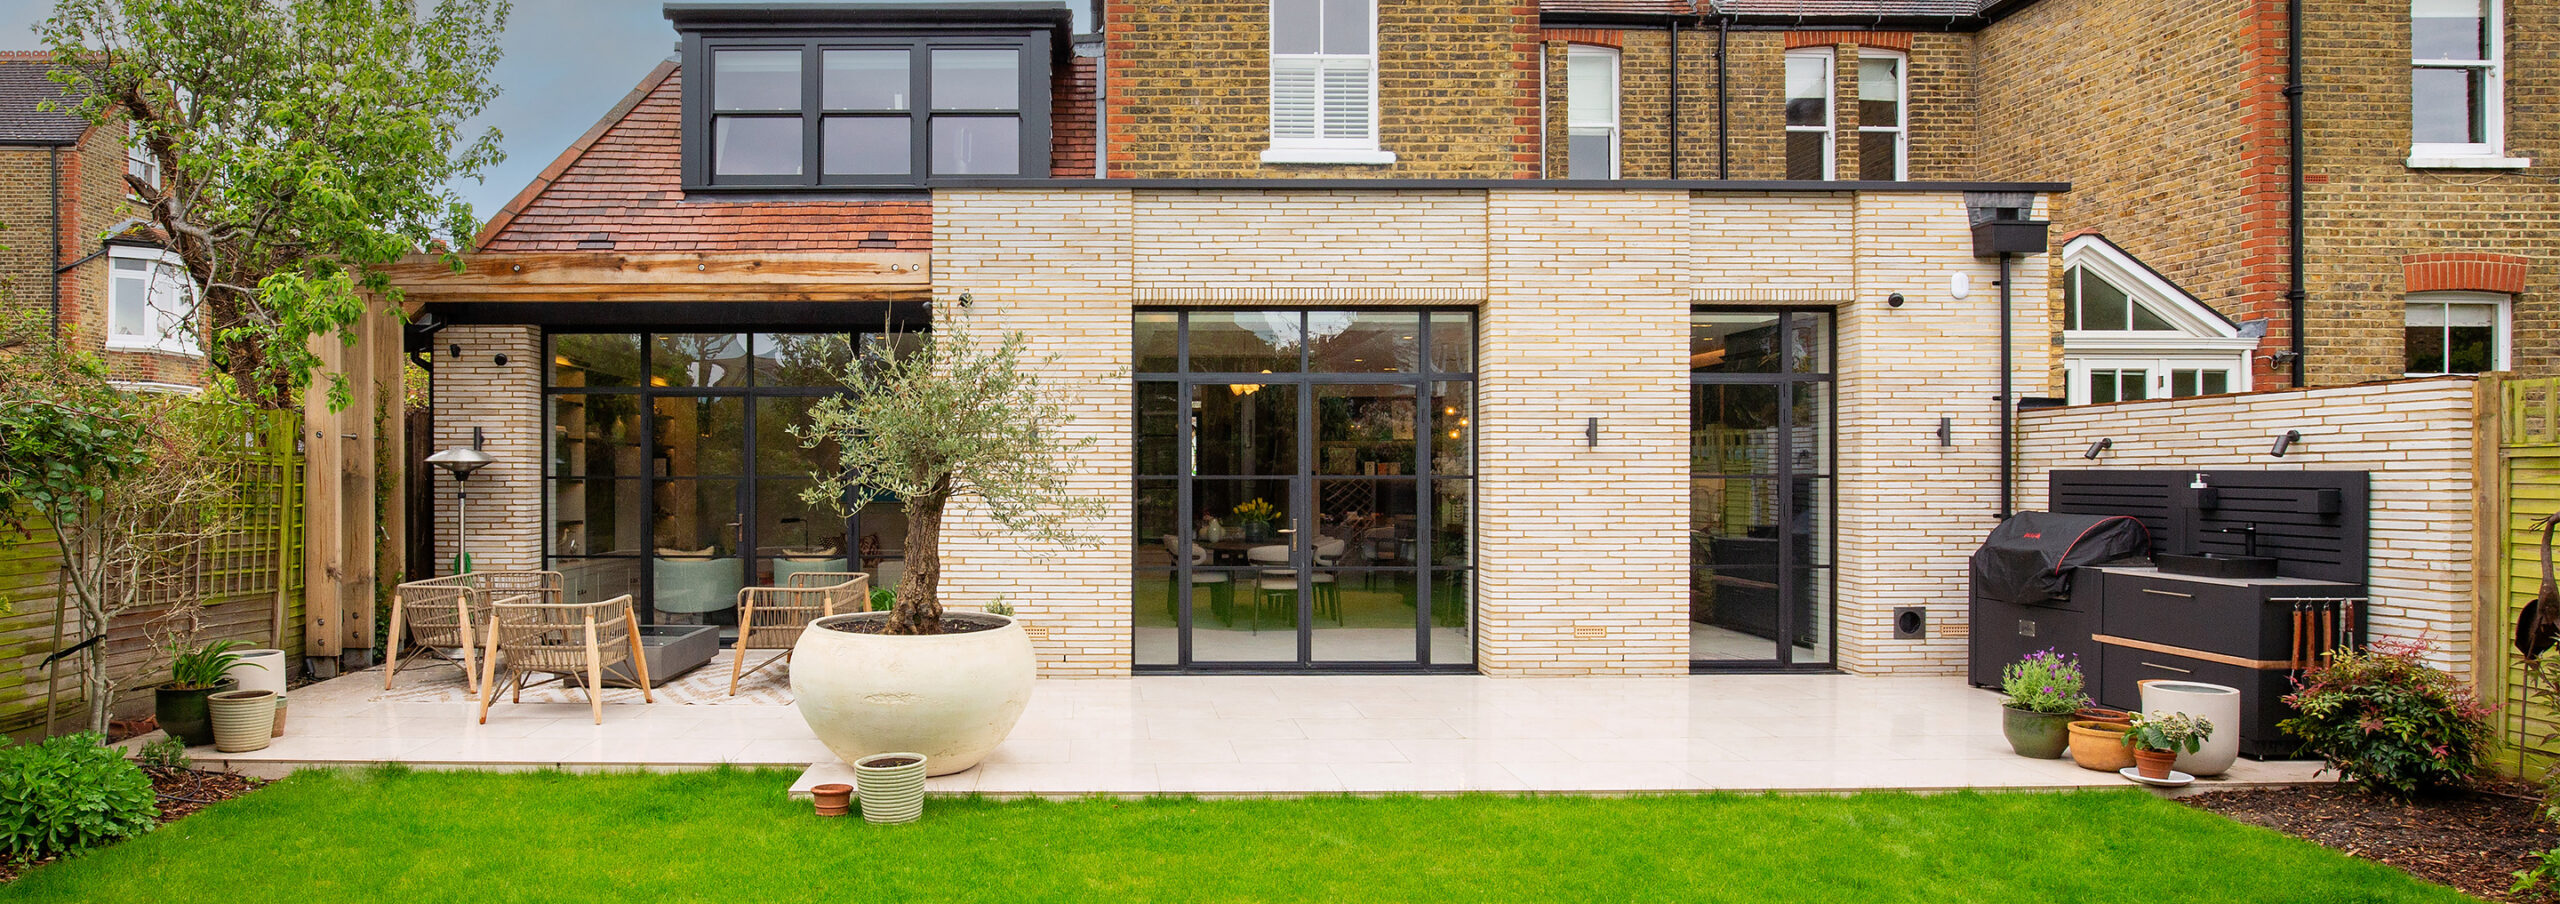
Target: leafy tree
(302,145)
(942,419)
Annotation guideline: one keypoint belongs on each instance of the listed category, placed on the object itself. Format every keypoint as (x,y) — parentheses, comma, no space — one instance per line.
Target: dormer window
(882,99)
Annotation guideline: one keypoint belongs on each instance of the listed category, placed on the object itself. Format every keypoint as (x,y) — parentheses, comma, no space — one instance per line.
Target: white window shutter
(1295,97)
(1346,99)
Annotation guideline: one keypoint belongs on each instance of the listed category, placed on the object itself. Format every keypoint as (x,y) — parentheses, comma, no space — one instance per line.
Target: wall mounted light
(2098,448)
(1893,301)
(455,349)
(2285,443)
(1946,431)
(967,299)
(1591,434)
(501,359)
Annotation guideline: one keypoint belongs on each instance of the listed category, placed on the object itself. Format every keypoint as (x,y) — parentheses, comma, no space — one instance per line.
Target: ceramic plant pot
(2154,763)
(259,670)
(892,786)
(2100,746)
(2214,703)
(2103,714)
(242,720)
(182,713)
(832,799)
(950,697)
(2035,735)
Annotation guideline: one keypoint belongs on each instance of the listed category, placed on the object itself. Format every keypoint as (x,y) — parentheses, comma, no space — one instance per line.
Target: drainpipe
(1724,101)
(1675,98)
(2008,400)
(2297,296)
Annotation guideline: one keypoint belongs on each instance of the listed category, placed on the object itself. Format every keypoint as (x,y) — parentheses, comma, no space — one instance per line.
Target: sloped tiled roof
(1833,8)
(1641,7)
(23,85)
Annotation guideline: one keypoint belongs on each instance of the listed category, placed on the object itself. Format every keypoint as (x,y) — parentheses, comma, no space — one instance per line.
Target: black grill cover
(2030,556)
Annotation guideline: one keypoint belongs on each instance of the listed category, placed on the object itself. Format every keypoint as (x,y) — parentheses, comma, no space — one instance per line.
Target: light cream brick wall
(1309,246)
(2415,437)
(505,401)
(1054,266)
(1583,550)
(1910,510)
(1764,246)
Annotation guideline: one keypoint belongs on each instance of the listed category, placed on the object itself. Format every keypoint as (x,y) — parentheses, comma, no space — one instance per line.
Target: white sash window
(1324,82)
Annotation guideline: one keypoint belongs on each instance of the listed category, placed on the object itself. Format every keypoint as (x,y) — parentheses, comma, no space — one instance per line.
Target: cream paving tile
(323,750)
(507,750)
(1324,751)
(1151,751)
(1020,750)
(668,751)
(1474,750)
(784,751)
(1066,779)
(1222,729)
(1638,750)
(1377,729)
(1426,778)
(1248,778)
(1606,777)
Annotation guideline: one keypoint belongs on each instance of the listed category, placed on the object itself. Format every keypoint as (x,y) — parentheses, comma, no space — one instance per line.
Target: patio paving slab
(1260,735)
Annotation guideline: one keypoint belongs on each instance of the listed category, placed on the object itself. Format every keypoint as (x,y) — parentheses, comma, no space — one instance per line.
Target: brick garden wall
(2415,437)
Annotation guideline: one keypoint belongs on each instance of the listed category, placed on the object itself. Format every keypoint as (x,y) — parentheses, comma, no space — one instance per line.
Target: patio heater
(460,463)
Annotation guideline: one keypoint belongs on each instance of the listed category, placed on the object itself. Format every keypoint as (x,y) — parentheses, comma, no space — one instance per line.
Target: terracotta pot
(2035,735)
(2103,714)
(2153,763)
(949,697)
(833,799)
(2100,745)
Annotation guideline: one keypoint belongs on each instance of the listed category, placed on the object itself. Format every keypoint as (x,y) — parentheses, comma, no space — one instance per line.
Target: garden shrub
(70,793)
(2386,720)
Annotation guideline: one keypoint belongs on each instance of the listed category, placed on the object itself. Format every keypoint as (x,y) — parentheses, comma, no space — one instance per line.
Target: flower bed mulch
(2473,841)
(182,793)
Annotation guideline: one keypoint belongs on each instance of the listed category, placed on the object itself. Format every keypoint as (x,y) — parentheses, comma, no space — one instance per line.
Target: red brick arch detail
(2465,271)
(1603,37)
(1881,40)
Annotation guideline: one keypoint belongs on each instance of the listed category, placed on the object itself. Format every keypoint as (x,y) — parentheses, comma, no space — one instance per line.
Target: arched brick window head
(2465,271)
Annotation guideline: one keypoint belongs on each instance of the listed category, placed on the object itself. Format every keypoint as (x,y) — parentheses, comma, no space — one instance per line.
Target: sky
(566,63)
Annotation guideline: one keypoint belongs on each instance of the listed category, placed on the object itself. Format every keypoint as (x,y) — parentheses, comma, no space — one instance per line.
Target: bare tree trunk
(919,608)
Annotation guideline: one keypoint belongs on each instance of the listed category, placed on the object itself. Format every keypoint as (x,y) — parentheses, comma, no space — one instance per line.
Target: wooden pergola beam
(609,276)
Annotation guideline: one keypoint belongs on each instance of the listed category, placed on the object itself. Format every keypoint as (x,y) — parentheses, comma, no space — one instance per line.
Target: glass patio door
(1304,488)
(1760,489)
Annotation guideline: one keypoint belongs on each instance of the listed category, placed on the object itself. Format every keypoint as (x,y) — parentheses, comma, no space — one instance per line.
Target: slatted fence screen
(2529,461)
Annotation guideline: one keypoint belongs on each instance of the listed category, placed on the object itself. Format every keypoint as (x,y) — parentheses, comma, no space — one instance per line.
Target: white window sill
(1325,155)
(2469,162)
(138,344)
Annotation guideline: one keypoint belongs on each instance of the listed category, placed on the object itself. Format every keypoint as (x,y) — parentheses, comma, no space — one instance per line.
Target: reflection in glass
(778,451)
(595,359)
(801,359)
(1453,617)
(1154,609)
(755,80)
(1733,343)
(1363,616)
(1809,344)
(793,536)
(1235,518)
(695,567)
(883,539)
(1809,438)
(1345,342)
(1452,515)
(1245,342)
(1158,427)
(597,517)
(1453,342)
(1734,560)
(1453,430)
(699,436)
(863,80)
(685,360)
(595,436)
(1732,428)
(1155,342)
(866,145)
(1373,520)
(755,145)
(1157,520)
(1245,429)
(1364,428)
(977,145)
(977,80)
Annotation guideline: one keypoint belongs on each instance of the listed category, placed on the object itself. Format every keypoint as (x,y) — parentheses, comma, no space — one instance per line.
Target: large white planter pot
(951,697)
(2214,703)
(259,670)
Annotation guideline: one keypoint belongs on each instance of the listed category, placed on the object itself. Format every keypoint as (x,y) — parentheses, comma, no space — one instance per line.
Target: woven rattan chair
(562,639)
(771,618)
(444,613)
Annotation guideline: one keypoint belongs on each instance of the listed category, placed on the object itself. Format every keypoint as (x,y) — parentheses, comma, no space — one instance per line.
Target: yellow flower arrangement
(1256,510)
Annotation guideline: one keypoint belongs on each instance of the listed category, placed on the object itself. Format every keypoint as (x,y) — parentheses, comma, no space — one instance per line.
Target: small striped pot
(891,786)
(242,720)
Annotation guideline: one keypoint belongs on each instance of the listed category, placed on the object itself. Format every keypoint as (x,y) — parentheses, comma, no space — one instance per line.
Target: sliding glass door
(1304,489)
(1760,489)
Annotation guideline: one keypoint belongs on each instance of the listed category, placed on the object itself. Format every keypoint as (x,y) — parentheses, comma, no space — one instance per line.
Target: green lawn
(392,835)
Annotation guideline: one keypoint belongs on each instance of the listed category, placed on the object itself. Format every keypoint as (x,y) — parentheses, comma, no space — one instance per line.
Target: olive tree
(943,419)
(301,145)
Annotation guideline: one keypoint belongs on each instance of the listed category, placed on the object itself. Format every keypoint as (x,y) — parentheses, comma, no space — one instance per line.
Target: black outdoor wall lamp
(2285,443)
(2098,448)
(1893,301)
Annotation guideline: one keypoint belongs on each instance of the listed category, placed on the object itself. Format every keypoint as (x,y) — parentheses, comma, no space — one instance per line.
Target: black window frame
(1037,47)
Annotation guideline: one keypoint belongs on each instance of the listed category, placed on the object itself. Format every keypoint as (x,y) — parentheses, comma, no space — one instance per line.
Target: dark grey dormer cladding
(866,96)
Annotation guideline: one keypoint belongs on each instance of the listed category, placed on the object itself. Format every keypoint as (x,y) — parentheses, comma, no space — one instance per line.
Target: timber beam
(608,276)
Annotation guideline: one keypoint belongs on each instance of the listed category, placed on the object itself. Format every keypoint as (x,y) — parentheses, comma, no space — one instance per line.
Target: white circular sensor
(1960,285)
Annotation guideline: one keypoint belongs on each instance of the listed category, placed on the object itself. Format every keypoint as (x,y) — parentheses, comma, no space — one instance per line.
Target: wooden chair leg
(470,670)
(595,670)
(488,670)
(639,660)
(738,654)
(391,660)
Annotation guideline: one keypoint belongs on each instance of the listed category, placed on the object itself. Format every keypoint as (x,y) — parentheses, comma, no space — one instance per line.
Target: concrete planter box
(672,650)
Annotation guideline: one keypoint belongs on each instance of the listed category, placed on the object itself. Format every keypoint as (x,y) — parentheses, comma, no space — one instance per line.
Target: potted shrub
(193,675)
(945,420)
(2158,738)
(2044,691)
(2386,720)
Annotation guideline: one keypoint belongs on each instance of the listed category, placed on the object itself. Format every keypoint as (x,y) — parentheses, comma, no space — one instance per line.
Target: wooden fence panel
(2529,481)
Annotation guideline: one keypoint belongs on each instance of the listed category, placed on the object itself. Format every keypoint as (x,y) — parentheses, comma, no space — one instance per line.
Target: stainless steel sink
(2216,565)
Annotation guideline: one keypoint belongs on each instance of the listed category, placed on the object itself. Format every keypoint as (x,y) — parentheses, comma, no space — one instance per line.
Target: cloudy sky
(566,63)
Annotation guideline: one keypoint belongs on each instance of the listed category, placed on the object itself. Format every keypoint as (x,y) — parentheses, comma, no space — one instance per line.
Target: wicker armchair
(561,639)
(448,612)
(771,618)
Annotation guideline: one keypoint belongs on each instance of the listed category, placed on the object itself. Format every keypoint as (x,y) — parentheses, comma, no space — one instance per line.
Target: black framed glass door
(1304,489)
(675,477)
(1760,489)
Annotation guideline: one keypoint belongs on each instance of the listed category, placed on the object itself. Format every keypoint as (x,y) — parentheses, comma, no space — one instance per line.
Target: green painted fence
(2529,484)
(245,575)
